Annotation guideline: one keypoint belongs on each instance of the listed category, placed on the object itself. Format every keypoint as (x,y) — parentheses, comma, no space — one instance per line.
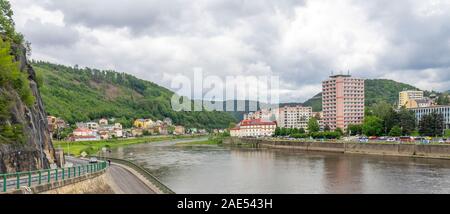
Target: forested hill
(76,94)
(376,90)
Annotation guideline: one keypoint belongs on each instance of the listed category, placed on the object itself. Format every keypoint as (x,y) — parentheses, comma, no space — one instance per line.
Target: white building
(294,117)
(254,128)
(92,125)
(444,110)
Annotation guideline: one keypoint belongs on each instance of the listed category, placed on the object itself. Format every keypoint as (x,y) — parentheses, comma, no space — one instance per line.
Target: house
(92,125)
(167,121)
(103,122)
(137,132)
(162,130)
(179,130)
(84,134)
(104,135)
(118,133)
(55,124)
(81,125)
(118,126)
(143,123)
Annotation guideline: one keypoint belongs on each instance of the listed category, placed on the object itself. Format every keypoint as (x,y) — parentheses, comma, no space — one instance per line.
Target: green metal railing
(144,172)
(33,178)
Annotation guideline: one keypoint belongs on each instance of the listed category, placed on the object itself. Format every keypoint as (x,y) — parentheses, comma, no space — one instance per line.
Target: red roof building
(254,128)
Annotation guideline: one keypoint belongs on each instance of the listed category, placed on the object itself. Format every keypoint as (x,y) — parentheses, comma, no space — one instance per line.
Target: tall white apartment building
(294,117)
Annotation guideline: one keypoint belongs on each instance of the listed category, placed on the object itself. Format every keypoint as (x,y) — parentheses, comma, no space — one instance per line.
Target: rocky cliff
(35,151)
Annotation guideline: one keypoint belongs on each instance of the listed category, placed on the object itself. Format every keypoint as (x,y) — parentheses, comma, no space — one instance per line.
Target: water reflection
(214,169)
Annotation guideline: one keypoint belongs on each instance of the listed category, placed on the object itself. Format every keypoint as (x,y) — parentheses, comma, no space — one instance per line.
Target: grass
(93,147)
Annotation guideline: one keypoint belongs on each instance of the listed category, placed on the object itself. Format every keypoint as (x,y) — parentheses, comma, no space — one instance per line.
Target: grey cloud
(47,34)
(225,37)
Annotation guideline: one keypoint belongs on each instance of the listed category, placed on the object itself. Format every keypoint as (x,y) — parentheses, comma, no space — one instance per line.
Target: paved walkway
(121,180)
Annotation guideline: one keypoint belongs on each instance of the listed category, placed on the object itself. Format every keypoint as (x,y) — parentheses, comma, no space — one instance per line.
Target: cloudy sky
(301,41)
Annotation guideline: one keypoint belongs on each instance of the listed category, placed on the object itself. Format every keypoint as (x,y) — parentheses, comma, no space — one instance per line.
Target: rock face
(37,152)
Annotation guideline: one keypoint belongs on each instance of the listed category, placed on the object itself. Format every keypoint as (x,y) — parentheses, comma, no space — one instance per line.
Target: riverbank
(408,150)
(93,147)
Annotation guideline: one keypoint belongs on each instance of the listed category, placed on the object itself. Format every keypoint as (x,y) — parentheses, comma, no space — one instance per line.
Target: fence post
(17,181)
(4,183)
(29,179)
(74,171)
(79,170)
(56,175)
(63,174)
(48,176)
(68,172)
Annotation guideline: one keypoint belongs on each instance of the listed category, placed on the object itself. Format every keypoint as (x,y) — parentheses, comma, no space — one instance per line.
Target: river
(217,169)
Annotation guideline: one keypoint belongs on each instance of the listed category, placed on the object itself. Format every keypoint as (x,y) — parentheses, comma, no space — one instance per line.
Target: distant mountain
(86,94)
(376,90)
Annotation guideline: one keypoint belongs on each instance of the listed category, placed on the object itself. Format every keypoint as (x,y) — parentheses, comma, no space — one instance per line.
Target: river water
(217,169)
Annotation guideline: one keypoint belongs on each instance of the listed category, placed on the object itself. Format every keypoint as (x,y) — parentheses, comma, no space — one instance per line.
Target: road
(121,180)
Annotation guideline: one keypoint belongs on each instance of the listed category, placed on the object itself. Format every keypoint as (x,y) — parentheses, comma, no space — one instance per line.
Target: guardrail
(13,181)
(163,188)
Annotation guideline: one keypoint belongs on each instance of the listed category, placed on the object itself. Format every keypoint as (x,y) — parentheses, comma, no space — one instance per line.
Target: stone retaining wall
(411,150)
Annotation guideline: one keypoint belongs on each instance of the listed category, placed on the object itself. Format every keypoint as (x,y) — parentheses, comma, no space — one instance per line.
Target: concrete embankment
(94,183)
(410,150)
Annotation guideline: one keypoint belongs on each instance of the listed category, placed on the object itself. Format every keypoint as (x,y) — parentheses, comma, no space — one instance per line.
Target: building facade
(343,101)
(265,114)
(444,110)
(254,128)
(406,97)
(294,117)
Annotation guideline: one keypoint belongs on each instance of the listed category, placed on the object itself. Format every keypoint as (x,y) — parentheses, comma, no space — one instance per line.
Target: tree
(313,125)
(443,99)
(407,121)
(231,125)
(354,129)
(301,131)
(387,114)
(396,131)
(340,131)
(277,131)
(432,125)
(326,128)
(373,126)
(447,133)
(7,25)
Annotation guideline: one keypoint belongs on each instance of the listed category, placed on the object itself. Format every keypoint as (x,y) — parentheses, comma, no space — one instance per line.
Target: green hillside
(86,94)
(376,90)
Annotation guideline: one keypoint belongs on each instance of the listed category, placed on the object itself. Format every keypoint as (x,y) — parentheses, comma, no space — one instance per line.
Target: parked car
(407,139)
(373,137)
(442,140)
(363,139)
(391,139)
(93,160)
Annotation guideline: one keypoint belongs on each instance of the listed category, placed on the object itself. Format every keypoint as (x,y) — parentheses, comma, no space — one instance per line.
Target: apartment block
(343,101)
(294,117)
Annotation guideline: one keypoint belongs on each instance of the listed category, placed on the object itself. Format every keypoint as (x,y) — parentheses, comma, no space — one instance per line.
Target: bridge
(124,176)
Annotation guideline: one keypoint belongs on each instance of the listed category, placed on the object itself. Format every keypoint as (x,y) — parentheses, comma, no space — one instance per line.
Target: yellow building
(406,97)
(143,123)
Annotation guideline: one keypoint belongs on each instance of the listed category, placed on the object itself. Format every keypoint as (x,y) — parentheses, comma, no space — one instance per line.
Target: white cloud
(301,41)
